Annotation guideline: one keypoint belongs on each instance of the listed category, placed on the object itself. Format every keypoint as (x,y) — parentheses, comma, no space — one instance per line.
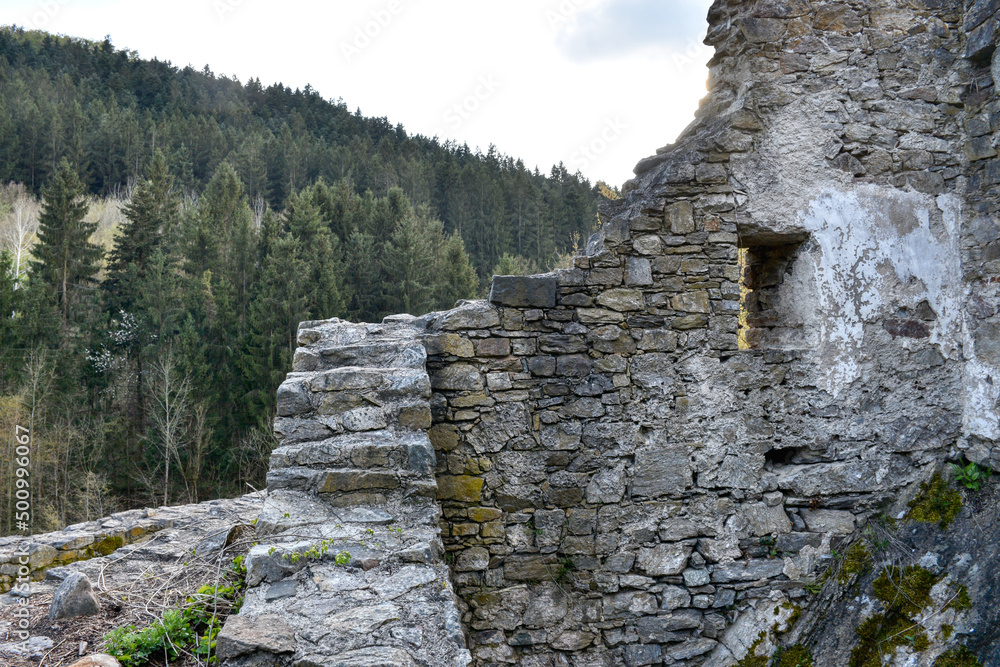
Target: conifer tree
(410,265)
(150,215)
(67,261)
(458,279)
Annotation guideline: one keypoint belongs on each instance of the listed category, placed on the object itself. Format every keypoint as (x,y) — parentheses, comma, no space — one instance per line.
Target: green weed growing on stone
(971,475)
(961,601)
(192,628)
(134,647)
(565,567)
(814,586)
(770,546)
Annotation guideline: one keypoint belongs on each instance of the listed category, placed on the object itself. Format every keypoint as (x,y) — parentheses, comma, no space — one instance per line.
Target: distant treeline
(106,111)
(144,354)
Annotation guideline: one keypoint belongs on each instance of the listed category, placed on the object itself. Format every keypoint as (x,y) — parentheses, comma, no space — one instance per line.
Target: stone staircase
(350,569)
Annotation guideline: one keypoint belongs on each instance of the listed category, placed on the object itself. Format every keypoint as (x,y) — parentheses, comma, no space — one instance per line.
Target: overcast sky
(597,84)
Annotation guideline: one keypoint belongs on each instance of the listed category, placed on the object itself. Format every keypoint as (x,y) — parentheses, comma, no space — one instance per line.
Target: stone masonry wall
(786,323)
(620,482)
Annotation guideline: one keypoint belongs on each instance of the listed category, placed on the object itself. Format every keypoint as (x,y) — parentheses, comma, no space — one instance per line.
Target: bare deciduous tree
(19,229)
(170,416)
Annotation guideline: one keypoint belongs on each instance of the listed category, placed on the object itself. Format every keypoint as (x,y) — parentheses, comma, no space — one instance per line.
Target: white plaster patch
(980,416)
(877,246)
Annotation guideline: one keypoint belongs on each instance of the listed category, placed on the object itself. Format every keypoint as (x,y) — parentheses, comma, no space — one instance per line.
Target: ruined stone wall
(617,477)
(786,323)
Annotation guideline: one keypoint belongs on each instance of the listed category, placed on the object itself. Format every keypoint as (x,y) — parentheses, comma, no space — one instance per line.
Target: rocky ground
(134,584)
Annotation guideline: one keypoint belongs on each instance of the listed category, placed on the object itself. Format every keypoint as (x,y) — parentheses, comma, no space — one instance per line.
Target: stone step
(410,451)
(341,390)
(377,353)
(343,486)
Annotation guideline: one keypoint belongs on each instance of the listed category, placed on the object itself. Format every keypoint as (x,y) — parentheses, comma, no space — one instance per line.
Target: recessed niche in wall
(773,312)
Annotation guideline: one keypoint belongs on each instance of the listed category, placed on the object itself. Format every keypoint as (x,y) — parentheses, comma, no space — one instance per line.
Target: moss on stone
(904,593)
(960,656)
(752,659)
(947,631)
(961,601)
(792,619)
(937,501)
(794,656)
(108,545)
(882,634)
(907,590)
(857,561)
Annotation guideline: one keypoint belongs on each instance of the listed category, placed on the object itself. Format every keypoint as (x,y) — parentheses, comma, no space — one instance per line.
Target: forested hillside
(165,230)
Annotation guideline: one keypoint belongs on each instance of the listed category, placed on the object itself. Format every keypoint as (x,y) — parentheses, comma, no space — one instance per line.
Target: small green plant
(193,628)
(343,558)
(814,587)
(971,475)
(565,567)
(770,546)
(134,647)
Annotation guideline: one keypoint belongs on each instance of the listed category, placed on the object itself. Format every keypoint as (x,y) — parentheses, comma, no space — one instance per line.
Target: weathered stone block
(692,302)
(622,300)
(458,377)
(524,291)
(759,31)
(462,488)
(242,636)
(638,272)
(639,655)
(444,437)
(449,344)
(749,571)
(469,315)
(531,568)
(664,559)
(74,597)
(661,470)
(493,347)
(355,480)
(829,521)
(680,218)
